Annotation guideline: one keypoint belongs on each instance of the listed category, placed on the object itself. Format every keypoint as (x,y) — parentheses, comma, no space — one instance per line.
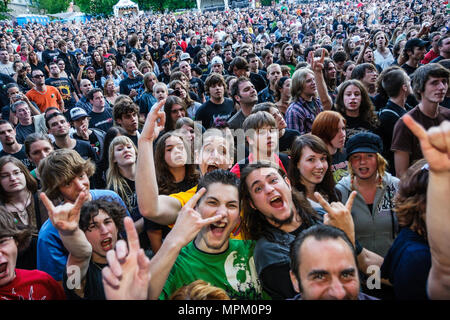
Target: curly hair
(411,198)
(91,209)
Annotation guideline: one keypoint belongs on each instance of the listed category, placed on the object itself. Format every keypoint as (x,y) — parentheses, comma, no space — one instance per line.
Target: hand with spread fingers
(154,123)
(317,64)
(190,222)
(435,143)
(65,217)
(339,215)
(127,275)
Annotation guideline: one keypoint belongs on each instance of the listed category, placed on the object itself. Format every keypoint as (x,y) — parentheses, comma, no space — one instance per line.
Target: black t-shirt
(22,156)
(93,288)
(285,142)
(409,70)
(127,84)
(388,118)
(356,125)
(103,120)
(133,138)
(157,54)
(93,141)
(258,81)
(65,88)
(23,131)
(162,77)
(209,111)
(197,86)
(49,56)
(4,80)
(84,149)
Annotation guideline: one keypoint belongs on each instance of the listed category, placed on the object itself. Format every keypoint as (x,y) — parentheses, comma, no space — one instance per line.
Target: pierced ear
(294,281)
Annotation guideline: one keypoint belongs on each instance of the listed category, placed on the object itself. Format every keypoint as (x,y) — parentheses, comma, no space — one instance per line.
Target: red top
(237,170)
(32,285)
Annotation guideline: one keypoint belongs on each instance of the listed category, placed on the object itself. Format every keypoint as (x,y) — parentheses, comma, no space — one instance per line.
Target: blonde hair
(199,290)
(114,179)
(381,170)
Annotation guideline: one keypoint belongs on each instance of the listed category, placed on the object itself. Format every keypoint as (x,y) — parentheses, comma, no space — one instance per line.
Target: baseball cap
(415,42)
(164,61)
(77,113)
(366,142)
(185,56)
(356,38)
(120,43)
(216,60)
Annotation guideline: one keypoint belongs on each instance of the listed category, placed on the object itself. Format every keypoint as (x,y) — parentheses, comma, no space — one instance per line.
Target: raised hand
(435,143)
(339,215)
(127,275)
(317,64)
(190,222)
(154,123)
(64,217)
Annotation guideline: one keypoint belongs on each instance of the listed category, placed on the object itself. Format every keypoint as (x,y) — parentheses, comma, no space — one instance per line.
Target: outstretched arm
(317,67)
(160,209)
(435,144)
(129,274)
(65,218)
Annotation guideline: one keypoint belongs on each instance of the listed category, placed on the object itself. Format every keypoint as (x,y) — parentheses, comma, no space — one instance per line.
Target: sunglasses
(38,76)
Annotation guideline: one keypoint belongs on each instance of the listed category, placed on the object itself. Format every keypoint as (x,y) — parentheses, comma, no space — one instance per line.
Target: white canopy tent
(200,2)
(124,7)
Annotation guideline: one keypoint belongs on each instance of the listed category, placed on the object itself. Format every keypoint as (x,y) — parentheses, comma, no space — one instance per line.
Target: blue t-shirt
(51,253)
(407,265)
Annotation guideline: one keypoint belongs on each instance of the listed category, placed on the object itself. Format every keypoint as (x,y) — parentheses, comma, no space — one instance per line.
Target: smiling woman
(310,169)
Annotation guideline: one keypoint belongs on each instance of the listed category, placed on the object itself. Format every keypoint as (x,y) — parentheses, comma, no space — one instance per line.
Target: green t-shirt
(233,270)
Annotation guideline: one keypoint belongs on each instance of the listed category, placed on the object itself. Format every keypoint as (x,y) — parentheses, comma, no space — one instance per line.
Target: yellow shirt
(184,197)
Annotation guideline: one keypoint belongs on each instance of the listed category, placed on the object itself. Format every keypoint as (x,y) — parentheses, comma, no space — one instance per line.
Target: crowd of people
(289,152)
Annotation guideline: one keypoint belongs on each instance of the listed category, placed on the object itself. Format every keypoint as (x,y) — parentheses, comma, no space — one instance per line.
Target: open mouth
(3,269)
(363,170)
(276,202)
(318,174)
(106,244)
(218,228)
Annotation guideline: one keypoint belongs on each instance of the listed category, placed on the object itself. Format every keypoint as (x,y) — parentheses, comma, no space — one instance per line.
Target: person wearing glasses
(44,95)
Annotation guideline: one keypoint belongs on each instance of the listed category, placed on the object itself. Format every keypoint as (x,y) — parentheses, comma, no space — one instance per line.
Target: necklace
(23,214)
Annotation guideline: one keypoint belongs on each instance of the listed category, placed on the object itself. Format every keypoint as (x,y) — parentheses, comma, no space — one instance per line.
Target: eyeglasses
(38,76)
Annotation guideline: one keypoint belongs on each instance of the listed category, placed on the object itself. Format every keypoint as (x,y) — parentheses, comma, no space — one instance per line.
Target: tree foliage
(52,6)
(4,9)
(105,7)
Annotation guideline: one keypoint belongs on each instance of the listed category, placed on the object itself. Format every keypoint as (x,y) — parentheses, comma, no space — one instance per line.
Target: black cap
(366,142)
(165,61)
(415,42)
(120,43)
